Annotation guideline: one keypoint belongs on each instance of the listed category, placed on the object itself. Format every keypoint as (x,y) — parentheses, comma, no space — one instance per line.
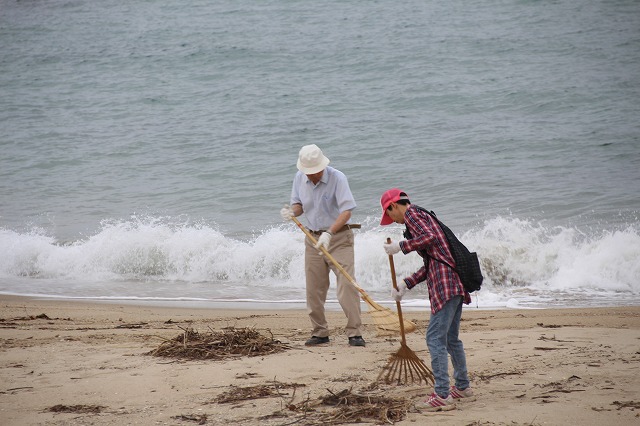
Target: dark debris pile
(228,343)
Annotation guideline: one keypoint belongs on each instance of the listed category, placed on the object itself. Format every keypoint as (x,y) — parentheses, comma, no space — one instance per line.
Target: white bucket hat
(311,160)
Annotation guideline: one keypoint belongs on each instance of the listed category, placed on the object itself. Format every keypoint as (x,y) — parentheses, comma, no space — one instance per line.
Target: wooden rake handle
(309,235)
(395,285)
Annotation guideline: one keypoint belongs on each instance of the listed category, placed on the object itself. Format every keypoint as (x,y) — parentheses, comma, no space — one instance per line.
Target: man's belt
(344,228)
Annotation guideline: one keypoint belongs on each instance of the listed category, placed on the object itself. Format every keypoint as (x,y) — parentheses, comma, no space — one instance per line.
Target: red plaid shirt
(427,237)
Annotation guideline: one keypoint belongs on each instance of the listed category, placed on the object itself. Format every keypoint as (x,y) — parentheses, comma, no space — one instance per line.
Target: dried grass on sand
(228,343)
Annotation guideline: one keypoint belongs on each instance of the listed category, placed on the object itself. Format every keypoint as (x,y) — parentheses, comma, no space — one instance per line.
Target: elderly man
(322,193)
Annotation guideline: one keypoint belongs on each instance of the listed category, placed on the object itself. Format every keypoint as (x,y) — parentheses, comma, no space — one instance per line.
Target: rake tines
(404,366)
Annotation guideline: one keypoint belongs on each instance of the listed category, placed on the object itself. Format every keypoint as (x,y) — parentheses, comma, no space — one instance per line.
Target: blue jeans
(442,338)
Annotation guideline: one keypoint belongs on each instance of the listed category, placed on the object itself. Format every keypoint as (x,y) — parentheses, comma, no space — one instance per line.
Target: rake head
(404,367)
(387,322)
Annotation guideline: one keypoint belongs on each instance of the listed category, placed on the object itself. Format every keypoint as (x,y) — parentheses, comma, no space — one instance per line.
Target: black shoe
(315,340)
(356,341)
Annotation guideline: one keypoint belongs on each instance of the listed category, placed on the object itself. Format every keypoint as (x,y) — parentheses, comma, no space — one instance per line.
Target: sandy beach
(68,363)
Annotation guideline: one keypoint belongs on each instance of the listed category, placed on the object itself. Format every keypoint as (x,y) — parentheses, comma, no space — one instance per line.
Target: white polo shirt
(322,203)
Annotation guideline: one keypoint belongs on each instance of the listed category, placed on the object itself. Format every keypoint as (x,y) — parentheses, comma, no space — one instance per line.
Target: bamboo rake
(404,366)
(386,320)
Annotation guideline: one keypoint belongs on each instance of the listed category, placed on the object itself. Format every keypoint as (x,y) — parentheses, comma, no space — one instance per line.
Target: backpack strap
(433,215)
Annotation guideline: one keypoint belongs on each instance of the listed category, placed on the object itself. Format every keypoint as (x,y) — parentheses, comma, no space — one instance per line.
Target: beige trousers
(317,269)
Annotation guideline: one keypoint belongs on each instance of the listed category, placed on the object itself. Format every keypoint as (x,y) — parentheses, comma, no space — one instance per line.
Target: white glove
(392,248)
(286,212)
(397,294)
(323,241)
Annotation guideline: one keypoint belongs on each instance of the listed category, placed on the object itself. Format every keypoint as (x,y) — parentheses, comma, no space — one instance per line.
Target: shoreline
(527,366)
(332,305)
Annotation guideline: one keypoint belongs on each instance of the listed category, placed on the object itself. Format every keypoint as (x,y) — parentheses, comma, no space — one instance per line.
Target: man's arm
(297,209)
(340,221)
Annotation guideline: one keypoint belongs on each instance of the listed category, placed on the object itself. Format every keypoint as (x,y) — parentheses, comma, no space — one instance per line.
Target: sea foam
(523,262)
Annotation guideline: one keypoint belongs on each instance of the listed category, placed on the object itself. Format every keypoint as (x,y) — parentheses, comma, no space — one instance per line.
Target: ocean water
(146,147)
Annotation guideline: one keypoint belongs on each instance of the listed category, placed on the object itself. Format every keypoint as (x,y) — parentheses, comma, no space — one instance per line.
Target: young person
(446,295)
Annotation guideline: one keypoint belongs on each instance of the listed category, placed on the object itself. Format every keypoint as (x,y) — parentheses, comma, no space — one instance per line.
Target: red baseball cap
(390,196)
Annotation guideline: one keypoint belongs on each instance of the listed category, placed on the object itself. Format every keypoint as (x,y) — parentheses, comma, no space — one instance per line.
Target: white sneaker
(435,403)
(462,395)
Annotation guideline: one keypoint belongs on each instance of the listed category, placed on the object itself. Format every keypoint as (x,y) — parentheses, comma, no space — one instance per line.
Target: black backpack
(467,264)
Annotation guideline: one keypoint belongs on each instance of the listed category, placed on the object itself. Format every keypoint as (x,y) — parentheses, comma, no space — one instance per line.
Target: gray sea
(146,147)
